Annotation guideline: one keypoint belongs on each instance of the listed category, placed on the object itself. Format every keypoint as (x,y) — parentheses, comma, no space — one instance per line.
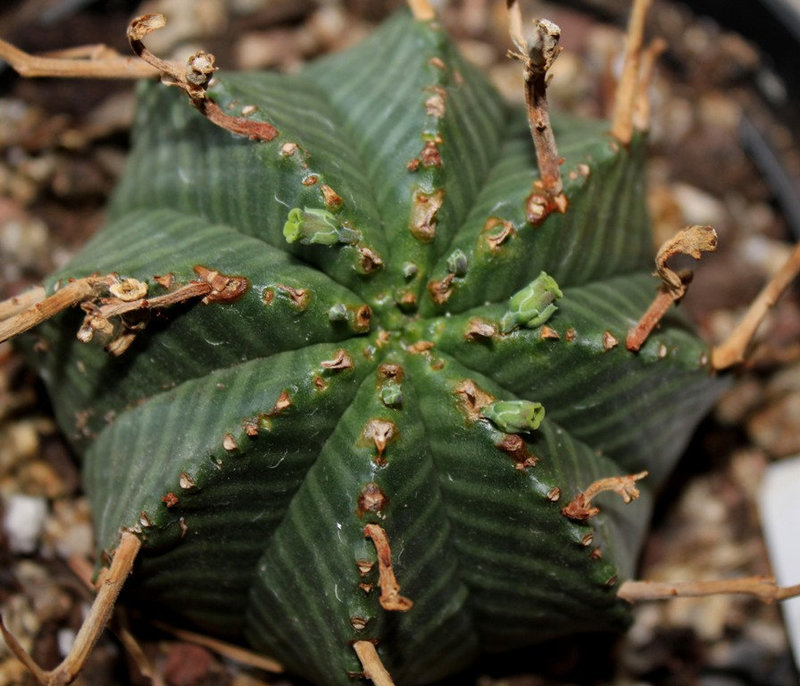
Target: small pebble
(24,522)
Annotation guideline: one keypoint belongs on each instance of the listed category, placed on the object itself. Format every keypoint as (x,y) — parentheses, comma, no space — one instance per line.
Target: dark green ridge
(186,341)
(604,233)
(517,550)
(588,389)
(309,568)
(380,90)
(239,496)
(180,161)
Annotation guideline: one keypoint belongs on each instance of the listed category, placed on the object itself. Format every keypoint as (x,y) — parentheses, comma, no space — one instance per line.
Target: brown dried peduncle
(390,598)
(693,241)
(580,508)
(93,625)
(537,55)
(733,350)
(84,62)
(371,662)
(763,588)
(194,78)
(422,10)
(630,83)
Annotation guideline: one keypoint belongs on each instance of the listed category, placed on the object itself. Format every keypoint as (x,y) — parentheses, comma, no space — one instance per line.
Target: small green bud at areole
(533,305)
(457,262)
(337,313)
(409,270)
(392,395)
(514,416)
(316,227)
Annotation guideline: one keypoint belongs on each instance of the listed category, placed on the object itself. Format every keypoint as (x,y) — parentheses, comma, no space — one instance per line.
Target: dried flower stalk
(92,626)
(41,309)
(371,662)
(422,10)
(194,78)
(580,508)
(629,83)
(763,588)
(537,55)
(228,650)
(390,598)
(86,62)
(693,241)
(733,350)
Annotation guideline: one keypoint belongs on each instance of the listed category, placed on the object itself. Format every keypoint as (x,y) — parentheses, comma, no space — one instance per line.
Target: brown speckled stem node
(93,625)
(371,662)
(763,588)
(537,55)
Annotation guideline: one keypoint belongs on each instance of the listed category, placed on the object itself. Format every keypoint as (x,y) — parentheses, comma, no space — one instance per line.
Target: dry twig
(422,10)
(371,662)
(93,625)
(85,62)
(733,350)
(194,78)
(40,309)
(693,241)
(390,598)
(629,83)
(228,650)
(580,508)
(763,588)
(641,112)
(537,55)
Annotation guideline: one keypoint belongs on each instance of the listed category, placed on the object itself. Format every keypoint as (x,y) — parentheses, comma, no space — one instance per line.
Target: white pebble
(24,522)
(65,638)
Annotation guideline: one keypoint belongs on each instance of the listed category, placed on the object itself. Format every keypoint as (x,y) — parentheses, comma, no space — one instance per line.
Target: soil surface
(62,148)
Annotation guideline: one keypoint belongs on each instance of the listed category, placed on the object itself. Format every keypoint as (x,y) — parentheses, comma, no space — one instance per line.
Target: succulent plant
(345,441)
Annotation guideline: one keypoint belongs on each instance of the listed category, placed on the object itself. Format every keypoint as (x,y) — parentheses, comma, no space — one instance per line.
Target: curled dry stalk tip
(693,241)
(580,508)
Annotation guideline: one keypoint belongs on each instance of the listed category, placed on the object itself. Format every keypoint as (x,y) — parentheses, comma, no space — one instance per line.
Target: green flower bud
(513,416)
(457,262)
(533,305)
(312,227)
